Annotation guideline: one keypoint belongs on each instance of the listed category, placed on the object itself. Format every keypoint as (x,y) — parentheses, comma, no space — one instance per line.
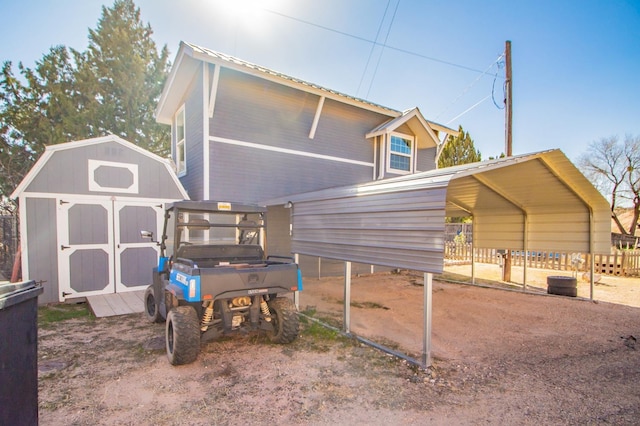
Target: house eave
(189,56)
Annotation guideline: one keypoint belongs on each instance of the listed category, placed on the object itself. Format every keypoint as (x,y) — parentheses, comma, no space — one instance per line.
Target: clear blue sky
(576,63)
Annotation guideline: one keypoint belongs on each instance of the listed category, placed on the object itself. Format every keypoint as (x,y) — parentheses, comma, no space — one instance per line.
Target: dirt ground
(498,357)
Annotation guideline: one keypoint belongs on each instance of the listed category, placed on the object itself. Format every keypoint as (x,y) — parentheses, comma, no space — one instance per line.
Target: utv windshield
(207,227)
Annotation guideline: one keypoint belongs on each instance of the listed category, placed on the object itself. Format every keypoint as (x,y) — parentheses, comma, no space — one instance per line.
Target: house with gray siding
(245,133)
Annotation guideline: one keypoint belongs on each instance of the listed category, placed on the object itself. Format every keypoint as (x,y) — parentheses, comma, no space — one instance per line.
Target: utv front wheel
(183,335)
(284,319)
(151,309)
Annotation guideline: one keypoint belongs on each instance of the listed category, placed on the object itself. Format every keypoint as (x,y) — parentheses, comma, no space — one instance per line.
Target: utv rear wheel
(284,319)
(151,310)
(183,335)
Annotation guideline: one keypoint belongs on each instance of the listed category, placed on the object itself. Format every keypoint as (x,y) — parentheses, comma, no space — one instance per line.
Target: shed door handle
(64,247)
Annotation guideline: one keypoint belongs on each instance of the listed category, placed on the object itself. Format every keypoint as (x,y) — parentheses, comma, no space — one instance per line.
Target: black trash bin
(19,353)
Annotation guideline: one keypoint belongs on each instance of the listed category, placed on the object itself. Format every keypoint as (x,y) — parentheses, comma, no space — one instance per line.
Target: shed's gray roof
(164,185)
(536,201)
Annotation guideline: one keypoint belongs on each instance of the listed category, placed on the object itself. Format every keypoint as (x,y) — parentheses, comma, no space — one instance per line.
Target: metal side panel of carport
(82,206)
(537,201)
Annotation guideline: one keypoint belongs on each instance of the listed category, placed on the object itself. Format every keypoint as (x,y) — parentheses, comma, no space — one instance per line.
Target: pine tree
(125,74)
(112,88)
(458,150)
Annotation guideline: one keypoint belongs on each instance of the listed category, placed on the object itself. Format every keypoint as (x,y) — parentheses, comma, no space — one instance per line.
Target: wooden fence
(620,262)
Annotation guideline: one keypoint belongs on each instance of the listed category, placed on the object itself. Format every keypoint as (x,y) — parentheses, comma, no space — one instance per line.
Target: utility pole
(506,267)
(508,100)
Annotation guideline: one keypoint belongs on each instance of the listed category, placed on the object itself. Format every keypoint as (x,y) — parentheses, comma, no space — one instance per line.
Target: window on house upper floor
(180,154)
(401,154)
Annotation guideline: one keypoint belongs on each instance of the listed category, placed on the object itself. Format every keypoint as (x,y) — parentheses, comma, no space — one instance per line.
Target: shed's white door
(135,256)
(101,250)
(85,257)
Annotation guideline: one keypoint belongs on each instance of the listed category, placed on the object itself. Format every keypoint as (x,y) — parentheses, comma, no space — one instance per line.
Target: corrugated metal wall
(402,229)
(515,203)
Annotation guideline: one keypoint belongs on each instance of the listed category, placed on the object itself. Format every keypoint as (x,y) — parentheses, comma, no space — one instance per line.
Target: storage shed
(531,202)
(82,207)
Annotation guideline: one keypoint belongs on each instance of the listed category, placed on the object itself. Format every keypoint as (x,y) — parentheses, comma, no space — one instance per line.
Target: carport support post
(347,297)
(296,294)
(426,346)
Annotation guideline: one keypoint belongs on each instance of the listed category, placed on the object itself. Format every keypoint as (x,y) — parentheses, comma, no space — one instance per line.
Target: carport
(530,202)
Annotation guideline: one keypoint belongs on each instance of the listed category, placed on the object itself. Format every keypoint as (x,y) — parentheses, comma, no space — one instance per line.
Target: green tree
(124,73)
(614,168)
(113,87)
(458,150)
(37,110)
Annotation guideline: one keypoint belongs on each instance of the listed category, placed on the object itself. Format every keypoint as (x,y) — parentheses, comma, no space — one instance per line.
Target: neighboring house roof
(189,56)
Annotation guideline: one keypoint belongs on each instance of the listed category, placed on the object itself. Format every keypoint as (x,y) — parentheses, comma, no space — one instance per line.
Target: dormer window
(400,156)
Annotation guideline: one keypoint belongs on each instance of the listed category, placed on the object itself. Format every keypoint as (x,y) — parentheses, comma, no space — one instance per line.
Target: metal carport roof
(537,201)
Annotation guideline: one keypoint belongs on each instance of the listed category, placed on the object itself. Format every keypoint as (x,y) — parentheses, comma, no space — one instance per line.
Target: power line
(375,43)
(373,46)
(468,109)
(466,89)
(375,71)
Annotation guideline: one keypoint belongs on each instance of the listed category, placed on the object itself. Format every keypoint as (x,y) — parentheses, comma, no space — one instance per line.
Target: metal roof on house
(536,201)
(190,55)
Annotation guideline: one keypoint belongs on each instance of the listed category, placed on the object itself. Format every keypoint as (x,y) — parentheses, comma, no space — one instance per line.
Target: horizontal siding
(395,229)
(253,110)
(426,159)
(250,175)
(193,179)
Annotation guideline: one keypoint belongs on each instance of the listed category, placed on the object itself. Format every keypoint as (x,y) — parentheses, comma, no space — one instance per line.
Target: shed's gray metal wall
(66,172)
(43,246)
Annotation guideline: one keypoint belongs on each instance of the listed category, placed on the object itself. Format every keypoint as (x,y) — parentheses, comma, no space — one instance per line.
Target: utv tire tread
(182,335)
(151,309)
(285,320)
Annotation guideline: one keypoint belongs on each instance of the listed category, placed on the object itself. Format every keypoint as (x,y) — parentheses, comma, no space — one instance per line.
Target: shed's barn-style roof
(536,201)
(64,169)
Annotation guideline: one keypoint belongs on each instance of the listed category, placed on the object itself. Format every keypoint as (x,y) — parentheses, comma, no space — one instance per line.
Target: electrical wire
(375,43)
(375,71)
(466,89)
(493,89)
(373,46)
(467,110)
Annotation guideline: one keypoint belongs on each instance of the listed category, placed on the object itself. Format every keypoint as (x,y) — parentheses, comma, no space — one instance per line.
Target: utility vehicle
(213,278)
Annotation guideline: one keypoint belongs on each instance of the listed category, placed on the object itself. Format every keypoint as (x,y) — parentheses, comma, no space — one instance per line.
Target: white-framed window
(400,153)
(180,153)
